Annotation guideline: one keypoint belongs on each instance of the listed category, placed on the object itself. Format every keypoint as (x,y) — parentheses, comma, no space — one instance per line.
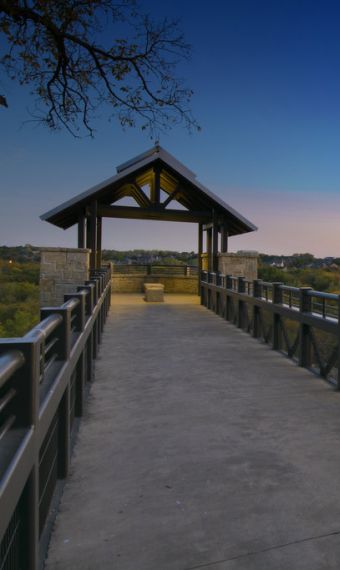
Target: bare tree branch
(63,50)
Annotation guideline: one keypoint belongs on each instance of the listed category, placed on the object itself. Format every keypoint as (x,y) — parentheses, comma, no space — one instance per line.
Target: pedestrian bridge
(199,446)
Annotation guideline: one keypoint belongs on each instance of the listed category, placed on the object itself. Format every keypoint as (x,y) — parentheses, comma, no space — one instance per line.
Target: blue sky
(266,77)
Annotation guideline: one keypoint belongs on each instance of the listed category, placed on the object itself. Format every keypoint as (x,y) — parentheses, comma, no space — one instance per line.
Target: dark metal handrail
(267,311)
(155,269)
(10,362)
(43,377)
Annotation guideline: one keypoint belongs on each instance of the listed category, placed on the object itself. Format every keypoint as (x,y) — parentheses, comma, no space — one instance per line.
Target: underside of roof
(156,181)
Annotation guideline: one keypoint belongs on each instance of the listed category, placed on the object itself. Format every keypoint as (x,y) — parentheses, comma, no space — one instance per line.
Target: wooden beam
(170,198)
(153,213)
(140,196)
(156,186)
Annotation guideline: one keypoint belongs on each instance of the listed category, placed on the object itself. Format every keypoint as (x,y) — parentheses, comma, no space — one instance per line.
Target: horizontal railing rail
(155,269)
(300,322)
(44,377)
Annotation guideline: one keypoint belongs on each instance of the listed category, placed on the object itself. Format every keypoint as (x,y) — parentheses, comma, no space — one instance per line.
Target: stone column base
(240,264)
(61,270)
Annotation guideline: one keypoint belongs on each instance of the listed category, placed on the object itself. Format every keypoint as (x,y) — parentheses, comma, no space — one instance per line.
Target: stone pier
(61,270)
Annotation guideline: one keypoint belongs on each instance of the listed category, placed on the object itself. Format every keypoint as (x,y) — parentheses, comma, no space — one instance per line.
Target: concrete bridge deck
(200,449)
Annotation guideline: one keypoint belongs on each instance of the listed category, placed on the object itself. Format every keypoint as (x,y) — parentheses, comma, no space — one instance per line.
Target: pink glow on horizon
(289,222)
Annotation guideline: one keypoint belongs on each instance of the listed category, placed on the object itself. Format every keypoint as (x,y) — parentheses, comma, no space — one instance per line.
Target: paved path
(200,449)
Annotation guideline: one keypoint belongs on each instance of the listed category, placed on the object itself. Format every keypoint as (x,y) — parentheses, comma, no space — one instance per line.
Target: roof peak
(157,152)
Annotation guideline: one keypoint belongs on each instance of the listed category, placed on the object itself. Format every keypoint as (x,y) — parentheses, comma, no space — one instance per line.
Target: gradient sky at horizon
(267,95)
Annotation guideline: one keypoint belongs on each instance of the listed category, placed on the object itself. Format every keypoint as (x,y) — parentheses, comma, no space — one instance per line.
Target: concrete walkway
(200,449)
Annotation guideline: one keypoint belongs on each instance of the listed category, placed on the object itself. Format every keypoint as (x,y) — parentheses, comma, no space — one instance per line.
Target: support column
(99,243)
(224,240)
(215,247)
(81,231)
(88,232)
(200,251)
(93,234)
(209,249)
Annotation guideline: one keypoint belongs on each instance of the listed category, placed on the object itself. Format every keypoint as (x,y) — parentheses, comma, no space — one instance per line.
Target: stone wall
(240,264)
(61,271)
(134,283)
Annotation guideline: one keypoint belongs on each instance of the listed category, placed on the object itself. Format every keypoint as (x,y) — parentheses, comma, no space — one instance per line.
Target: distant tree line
(19,277)
(153,256)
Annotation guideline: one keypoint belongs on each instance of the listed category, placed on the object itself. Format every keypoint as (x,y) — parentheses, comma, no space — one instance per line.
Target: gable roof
(175,179)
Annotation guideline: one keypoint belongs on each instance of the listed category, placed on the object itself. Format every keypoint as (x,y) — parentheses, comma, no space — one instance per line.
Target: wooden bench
(154,292)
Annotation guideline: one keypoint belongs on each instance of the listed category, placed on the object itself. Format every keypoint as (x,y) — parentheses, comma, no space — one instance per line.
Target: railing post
(64,434)
(257,293)
(80,310)
(241,288)
(27,383)
(228,285)
(241,285)
(94,284)
(305,353)
(202,289)
(64,343)
(89,297)
(80,385)
(338,362)
(277,300)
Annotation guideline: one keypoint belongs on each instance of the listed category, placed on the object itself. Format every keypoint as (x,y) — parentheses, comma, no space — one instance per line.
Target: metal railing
(300,322)
(43,381)
(155,269)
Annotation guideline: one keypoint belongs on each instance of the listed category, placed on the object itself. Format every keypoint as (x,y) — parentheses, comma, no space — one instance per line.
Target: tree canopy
(78,55)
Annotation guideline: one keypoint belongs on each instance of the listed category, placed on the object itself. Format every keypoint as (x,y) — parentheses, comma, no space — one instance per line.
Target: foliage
(19,253)
(19,272)
(153,256)
(19,298)
(318,279)
(76,55)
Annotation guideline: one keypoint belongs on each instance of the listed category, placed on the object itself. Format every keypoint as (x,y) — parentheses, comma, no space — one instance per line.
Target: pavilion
(155,180)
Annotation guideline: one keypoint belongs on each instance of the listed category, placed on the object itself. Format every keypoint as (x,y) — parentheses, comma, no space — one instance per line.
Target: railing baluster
(257,293)
(305,343)
(276,300)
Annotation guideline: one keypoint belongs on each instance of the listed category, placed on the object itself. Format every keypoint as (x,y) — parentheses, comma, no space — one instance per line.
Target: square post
(81,231)
(224,240)
(93,235)
(209,249)
(305,352)
(215,247)
(99,243)
(200,251)
(277,300)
